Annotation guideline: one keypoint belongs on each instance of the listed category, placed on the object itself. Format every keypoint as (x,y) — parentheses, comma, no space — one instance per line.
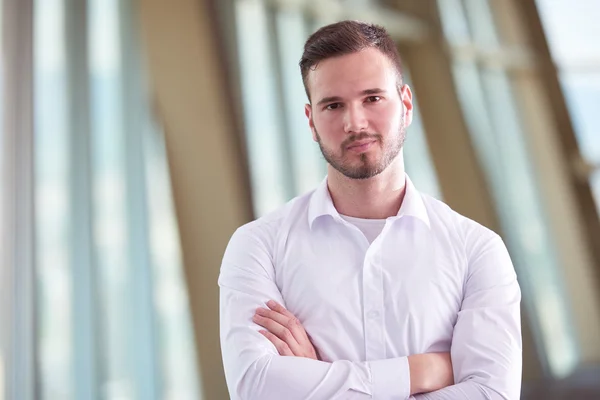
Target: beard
(368,165)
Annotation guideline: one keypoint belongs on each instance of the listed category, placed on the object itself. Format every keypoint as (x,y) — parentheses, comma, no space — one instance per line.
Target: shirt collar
(321,204)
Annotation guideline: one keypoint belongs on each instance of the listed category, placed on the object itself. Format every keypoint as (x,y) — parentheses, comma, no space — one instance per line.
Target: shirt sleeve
(253,367)
(486,345)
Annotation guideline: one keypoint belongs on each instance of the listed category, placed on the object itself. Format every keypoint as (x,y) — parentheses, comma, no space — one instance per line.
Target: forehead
(352,73)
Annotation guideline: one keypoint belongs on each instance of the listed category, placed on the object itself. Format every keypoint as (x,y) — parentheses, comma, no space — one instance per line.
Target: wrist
(415,366)
(430,372)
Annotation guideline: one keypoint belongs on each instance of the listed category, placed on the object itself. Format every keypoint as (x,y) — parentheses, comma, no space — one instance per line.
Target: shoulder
(470,233)
(487,259)
(263,232)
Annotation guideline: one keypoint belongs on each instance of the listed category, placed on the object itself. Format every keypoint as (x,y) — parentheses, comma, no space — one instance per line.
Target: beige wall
(207,176)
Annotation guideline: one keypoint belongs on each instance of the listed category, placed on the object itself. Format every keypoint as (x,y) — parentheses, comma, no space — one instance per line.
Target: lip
(361,145)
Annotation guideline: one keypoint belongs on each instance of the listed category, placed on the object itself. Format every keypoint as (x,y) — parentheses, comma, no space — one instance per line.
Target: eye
(333,106)
(373,99)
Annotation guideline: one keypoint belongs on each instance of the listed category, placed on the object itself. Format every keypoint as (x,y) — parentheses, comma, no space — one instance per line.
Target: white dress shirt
(431,281)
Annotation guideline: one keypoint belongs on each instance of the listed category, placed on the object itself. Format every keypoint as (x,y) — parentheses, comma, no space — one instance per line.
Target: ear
(406,97)
(311,123)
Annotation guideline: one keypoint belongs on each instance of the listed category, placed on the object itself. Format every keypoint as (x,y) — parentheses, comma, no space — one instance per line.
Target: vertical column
(17,257)
(84,307)
(136,121)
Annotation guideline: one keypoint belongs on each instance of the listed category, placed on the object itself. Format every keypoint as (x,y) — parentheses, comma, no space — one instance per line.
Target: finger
(280,331)
(292,323)
(280,345)
(275,316)
(275,306)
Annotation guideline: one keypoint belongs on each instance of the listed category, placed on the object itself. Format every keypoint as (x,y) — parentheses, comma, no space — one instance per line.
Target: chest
(408,282)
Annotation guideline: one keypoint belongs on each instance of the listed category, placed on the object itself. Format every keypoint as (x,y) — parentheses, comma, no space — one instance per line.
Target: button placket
(372,306)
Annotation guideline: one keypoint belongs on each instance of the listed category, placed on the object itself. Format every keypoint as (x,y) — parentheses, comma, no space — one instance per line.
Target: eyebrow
(363,93)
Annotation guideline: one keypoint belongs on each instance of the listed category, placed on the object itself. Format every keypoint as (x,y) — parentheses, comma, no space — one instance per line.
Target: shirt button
(373,314)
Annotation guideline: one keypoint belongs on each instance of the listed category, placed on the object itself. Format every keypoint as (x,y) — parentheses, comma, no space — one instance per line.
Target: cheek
(329,126)
(386,120)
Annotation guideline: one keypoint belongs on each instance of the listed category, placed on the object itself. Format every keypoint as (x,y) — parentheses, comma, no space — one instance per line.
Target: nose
(355,120)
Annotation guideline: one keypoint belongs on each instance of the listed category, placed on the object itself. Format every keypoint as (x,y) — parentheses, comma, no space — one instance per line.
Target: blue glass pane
(261,100)
(454,22)
(499,141)
(572,30)
(176,340)
(417,159)
(528,235)
(582,91)
(52,203)
(111,241)
(308,165)
(577,53)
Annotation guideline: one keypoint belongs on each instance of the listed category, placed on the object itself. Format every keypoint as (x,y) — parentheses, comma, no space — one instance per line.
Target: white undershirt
(371,228)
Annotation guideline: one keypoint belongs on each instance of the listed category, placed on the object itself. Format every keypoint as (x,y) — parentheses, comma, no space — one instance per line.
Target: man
(365,288)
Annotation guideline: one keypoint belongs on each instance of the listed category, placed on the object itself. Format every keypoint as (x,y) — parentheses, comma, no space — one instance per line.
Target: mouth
(361,145)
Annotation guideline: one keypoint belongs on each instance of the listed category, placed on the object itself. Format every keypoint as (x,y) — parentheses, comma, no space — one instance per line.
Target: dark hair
(346,37)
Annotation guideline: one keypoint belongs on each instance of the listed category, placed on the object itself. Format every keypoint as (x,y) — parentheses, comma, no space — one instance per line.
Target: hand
(285,331)
(430,372)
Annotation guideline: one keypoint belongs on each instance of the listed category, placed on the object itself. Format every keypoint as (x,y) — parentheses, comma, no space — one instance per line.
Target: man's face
(358,115)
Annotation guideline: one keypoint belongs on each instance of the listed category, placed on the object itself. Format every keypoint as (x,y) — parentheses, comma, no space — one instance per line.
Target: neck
(378,197)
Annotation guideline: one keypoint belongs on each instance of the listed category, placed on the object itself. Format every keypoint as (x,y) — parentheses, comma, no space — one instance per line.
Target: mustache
(360,136)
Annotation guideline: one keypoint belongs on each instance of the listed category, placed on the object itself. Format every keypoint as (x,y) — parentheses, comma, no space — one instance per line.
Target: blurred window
(494,123)
(113,318)
(572,31)
(52,203)
(3,317)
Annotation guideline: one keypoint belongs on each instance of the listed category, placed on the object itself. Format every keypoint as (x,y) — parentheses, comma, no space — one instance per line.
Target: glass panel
(493,120)
(176,336)
(109,201)
(527,233)
(261,100)
(481,23)
(417,159)
(572,30)
(119,250)
(4,319)
(577,53)
(499,142)
(52,219)
(1,140)
(309,167)
(582,91)
(454,22)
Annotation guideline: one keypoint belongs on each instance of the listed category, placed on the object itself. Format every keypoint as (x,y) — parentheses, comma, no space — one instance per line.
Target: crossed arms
(485,351)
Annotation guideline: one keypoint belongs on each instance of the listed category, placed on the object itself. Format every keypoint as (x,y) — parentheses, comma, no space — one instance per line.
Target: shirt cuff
(390,379)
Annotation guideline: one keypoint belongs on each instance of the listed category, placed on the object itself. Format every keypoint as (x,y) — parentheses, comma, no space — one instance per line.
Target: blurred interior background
(136,135)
